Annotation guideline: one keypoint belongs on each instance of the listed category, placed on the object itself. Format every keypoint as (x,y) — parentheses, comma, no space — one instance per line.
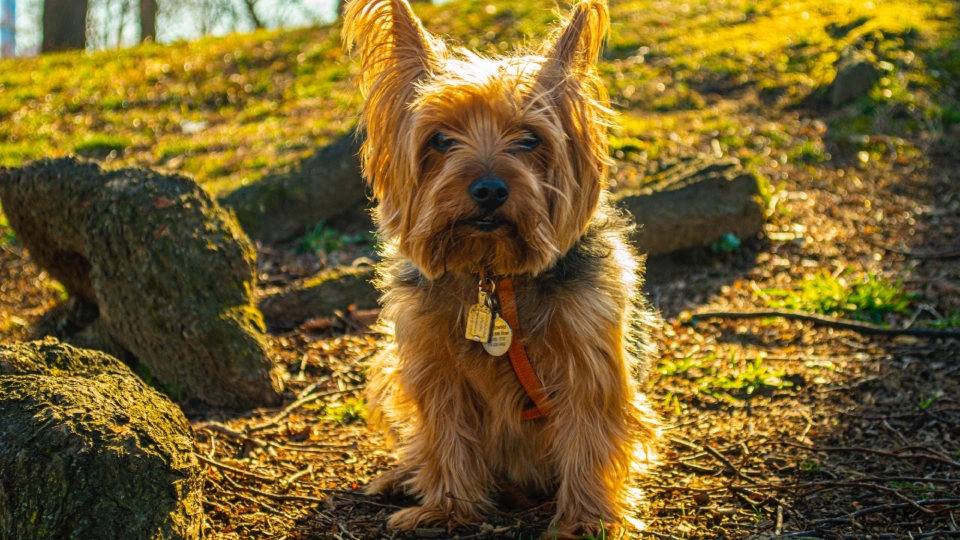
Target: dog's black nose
(490,192)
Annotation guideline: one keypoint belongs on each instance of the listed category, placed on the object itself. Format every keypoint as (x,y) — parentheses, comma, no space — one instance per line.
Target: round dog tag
(500,339)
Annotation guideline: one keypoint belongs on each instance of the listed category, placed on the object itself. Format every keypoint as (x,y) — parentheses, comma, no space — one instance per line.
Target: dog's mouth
(485,224)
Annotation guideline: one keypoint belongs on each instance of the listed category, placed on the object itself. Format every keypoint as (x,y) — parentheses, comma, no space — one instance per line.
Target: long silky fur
(454,409)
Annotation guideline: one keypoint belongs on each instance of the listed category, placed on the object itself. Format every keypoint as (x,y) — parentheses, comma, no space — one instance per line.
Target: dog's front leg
(443,452)
(594,438)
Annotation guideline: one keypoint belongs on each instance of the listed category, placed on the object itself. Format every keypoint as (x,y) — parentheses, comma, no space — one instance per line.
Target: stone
(87,450)
(856,75)
(324,187)
(321,295)
(170,272)
(692,204)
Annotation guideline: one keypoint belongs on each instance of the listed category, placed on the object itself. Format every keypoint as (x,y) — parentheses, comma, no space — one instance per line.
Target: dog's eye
(441,142)
(528,141)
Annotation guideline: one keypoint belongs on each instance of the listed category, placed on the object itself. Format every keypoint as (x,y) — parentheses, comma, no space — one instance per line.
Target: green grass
(728,381)
(350,411)
(862,296)
(326,239)
(229,110)
(950,321)
(7,234)
(101,145)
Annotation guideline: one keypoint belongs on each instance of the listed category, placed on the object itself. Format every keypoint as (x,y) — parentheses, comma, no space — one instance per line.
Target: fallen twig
(948,254)
(822,320)
(280,498)
(723,459)
(233,434)
(273,421)
(938,459)
(343,529)
(882,508)
(234,470)
(265,506)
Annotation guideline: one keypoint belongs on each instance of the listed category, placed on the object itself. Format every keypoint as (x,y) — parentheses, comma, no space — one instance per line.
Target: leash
(518,355)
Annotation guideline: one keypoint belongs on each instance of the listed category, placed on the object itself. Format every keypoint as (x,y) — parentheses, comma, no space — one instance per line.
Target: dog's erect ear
(578,42)
(568,79)
(388,36)
(395,53)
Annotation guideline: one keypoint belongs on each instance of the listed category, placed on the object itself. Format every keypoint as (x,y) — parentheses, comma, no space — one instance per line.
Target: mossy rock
(171,272)
(324,187)
(87,450)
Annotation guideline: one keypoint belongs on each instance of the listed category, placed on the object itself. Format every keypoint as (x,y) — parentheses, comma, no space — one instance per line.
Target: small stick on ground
(234,470)
(822,320)
(296,405)
(882,508)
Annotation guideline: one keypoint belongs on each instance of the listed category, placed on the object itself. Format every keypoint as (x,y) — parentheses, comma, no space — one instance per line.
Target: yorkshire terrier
(518,335)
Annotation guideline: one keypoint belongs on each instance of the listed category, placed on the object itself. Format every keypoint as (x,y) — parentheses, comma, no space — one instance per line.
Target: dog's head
(492,162)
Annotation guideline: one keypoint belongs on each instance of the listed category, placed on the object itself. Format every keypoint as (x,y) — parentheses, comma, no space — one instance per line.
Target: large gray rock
(88,451)
(170,271)
(692,204)
(323,187)
(856,75)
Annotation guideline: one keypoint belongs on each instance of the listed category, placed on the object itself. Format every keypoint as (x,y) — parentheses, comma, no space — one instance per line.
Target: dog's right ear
(389,39)
(395,53)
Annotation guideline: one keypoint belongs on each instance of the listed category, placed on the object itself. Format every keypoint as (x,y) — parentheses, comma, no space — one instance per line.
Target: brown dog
(490,178)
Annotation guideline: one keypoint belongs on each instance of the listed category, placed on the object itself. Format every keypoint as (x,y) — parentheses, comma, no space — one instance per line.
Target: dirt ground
(773,427)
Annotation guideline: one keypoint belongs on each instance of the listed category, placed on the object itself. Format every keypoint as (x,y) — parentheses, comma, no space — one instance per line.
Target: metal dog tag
(479,320)
(502,338)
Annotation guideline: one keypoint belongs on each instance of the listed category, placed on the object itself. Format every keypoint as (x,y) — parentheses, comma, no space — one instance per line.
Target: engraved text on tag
(501,339)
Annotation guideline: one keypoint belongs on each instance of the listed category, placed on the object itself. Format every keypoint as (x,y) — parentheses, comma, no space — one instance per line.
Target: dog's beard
(503,245)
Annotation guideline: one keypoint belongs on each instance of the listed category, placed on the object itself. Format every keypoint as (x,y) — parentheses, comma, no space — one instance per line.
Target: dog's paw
(390,482)
(583,528)
(410,518)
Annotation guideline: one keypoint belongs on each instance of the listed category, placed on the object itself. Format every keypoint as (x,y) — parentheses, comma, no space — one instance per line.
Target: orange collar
(518,354)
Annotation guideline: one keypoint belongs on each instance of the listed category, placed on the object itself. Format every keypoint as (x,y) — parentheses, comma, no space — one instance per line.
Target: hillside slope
(228,110)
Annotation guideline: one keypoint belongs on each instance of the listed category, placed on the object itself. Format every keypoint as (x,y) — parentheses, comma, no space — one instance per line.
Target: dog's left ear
(568,79)
(578,44)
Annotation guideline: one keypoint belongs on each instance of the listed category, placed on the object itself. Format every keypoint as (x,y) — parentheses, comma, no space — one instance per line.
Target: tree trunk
(148,20)
(252,13)
(64,25)
(170,271)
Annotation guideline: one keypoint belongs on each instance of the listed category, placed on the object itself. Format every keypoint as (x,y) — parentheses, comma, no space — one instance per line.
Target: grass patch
(326,239)
(728,381)
(350,411)
(861,296)
(267,99)
(950,321)
(7,234)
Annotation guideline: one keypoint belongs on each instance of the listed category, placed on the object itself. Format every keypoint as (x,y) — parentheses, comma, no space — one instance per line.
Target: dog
(518,336)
